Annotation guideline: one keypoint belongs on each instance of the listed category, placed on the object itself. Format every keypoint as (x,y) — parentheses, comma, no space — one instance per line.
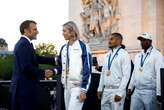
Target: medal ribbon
(143,59)
(110,60)
(68,58)
(67,65)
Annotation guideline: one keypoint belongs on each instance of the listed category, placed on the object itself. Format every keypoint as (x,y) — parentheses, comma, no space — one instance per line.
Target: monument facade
(96,19)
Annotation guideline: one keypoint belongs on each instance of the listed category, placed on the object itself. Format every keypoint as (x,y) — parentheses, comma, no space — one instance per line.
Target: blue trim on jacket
(86,60)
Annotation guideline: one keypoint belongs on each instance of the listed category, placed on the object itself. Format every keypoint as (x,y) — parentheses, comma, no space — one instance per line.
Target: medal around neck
(109,73)
(141,69)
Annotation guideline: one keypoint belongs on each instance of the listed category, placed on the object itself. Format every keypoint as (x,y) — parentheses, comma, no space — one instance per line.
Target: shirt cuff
(56,58)
(121,93)
(83,90)
(100,89)
(55,71)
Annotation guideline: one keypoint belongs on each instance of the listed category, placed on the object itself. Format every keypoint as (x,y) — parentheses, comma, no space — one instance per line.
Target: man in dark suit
(26,74)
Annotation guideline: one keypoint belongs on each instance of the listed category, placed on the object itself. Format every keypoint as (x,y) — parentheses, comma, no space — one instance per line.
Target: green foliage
(46,49)
(6,60)
(45,66)
(6,64)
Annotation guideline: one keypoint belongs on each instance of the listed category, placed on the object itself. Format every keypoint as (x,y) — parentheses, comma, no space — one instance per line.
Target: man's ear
(26,31)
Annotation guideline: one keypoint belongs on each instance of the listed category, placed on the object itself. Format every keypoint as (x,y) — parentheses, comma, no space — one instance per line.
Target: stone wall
(136,17)
(160,25)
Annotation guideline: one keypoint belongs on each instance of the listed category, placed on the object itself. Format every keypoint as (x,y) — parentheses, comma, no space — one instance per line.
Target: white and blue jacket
(79,58)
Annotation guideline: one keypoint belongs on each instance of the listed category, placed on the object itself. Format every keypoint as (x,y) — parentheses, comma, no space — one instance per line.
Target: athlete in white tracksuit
(115,75)
(75,67)
(146,76)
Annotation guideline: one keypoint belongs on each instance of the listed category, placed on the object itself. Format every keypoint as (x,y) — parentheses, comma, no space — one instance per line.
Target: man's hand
(99,95)
(129,93)
(98,68)
(159,99)
(48,73)
(117,98)
(82,96)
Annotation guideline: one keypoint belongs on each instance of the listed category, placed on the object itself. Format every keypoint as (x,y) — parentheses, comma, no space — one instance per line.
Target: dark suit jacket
(26,75)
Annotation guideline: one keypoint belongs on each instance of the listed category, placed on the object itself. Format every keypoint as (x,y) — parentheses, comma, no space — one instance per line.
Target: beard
(111,46)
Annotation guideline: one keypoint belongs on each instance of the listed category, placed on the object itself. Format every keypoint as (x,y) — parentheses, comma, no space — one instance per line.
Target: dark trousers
(92,102)
(60,105)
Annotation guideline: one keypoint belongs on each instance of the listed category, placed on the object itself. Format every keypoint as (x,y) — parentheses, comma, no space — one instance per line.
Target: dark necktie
(32,47)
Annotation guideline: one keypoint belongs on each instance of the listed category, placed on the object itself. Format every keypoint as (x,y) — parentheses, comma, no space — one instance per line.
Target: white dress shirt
(120,71)
(149,77)
(27,38)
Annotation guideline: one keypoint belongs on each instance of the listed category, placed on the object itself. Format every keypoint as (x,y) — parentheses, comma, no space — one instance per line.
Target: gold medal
(141,69)
(109,73)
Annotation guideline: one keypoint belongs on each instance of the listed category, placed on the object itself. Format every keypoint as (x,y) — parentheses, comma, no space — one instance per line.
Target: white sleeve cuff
(56,71)
(121,93)
(83,90)
(56,60)
(100,89)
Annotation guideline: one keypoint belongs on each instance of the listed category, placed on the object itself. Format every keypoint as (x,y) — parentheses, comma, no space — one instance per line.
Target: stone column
(137,16)
(75,8)
(149,18)
(145,15)
(160,25)
(130,24)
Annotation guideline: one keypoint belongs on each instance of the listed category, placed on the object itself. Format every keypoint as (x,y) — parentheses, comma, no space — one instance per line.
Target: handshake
(48,73)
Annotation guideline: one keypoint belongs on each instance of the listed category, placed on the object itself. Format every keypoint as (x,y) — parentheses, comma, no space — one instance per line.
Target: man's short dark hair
(25,25)
(117,35)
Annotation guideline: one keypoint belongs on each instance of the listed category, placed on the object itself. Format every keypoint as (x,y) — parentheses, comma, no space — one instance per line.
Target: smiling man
(26,73)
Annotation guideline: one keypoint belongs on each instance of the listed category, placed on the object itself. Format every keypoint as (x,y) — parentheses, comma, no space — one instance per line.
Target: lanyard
(143,59)
(68,58)
(110,60)
(67,65)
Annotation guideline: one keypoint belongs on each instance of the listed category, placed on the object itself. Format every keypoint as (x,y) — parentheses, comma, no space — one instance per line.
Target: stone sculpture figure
(95,19)
(100,18)
(110,16)
(85,15)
